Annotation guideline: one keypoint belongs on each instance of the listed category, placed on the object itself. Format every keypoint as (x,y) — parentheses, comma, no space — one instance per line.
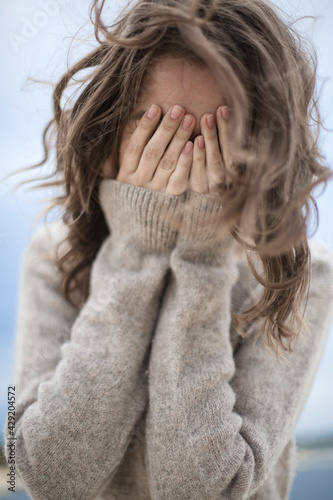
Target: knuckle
(146,124)
(175,181)
(133,148)
(181,137)
(176,185)
(198,176)
(216,164)
(150,153)
(218,177)
(166,163)
(211,135)
(168,126)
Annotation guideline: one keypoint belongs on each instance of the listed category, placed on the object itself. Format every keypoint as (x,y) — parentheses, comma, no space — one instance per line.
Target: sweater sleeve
(80,379)
(217,422)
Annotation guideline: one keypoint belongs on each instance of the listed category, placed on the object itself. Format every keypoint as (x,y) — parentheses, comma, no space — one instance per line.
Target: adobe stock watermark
(30,26)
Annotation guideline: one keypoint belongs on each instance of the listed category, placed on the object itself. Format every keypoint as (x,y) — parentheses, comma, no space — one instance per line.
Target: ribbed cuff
(202,237)
(157,222)
(141,217)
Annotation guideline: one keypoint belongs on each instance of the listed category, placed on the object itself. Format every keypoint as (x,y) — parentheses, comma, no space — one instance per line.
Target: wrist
(140,217)
(202,235)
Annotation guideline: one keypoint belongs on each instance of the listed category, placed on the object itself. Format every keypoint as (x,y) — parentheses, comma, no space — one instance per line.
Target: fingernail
(188,148)
(210,121)
(176,112)
(187,122)
(152,112)
(225,112)
(201,142)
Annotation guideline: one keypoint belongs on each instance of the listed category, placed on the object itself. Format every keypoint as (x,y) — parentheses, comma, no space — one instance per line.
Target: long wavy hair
(268,75)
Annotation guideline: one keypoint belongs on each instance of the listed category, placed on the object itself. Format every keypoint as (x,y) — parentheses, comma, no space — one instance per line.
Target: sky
(39,39)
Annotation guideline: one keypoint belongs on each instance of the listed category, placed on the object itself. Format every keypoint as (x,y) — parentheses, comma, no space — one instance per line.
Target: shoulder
(321,276)
(47,236)
(47,246)
(39,263)
(40,254)
(247,289)
(321,260)
(45,239)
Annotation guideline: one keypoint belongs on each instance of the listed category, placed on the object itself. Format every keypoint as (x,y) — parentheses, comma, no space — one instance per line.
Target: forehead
(174,81)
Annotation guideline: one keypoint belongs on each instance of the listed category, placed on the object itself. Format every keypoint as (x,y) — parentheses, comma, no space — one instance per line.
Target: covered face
(173,81)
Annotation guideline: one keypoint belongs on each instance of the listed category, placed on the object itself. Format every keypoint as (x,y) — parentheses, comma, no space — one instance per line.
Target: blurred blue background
(36,36)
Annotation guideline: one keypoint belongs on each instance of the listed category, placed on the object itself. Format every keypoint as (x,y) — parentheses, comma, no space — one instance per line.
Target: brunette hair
(268,75)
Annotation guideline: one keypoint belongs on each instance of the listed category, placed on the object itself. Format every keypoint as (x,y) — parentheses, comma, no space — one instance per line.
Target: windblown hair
(268,75)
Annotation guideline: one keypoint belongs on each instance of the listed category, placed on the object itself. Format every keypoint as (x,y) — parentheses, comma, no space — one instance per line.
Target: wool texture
(146,391)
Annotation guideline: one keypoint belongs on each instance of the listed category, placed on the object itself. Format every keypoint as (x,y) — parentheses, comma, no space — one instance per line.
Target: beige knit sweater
(147,391)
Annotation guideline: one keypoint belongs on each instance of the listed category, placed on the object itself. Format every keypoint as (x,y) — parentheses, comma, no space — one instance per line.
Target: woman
(188,150)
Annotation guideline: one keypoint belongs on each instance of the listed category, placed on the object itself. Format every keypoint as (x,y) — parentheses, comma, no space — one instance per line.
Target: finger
(214,163)
(156,146)
(138,141)
(178,181)
(198,175)
(222,117)
(170,158)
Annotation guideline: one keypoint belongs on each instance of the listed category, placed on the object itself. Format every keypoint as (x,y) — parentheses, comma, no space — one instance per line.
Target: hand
(207,171)
(145,162)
